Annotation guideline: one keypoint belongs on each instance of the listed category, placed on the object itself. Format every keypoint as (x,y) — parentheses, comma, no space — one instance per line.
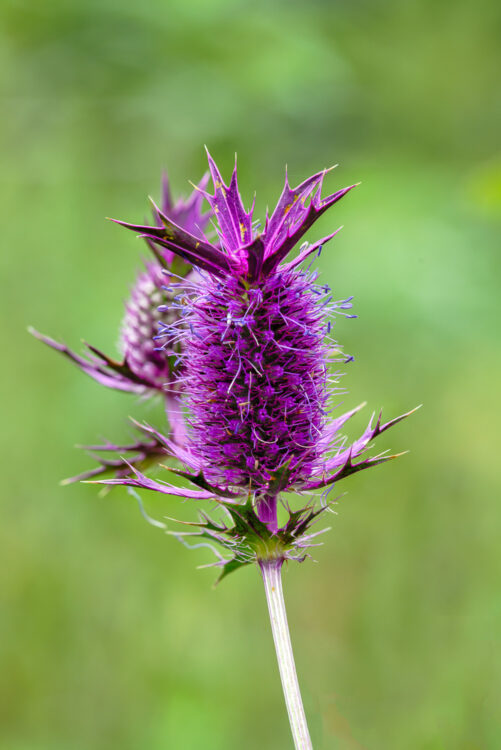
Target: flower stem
(271,571)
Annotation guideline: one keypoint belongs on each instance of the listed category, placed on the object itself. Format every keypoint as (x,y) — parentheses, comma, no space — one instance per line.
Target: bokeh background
(109,636)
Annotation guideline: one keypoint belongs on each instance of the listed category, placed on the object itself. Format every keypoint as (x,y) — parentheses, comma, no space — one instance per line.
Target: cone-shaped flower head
(149,302)
(140,326)
(145,368)
(256,353)
(256,379)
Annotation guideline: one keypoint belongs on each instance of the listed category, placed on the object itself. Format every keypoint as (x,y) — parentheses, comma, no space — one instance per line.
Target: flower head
(144,368)
(256,351)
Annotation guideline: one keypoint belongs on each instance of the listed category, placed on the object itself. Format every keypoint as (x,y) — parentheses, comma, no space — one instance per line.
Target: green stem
(272,577)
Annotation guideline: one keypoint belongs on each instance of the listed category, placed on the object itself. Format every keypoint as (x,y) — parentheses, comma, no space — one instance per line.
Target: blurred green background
(109,637)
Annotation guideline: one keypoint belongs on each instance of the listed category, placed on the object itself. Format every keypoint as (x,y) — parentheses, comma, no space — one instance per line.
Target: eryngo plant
(248,337)
(254,332)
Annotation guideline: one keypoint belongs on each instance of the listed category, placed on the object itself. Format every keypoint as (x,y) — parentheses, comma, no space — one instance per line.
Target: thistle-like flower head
(144,369)
(149,304)
(256,351)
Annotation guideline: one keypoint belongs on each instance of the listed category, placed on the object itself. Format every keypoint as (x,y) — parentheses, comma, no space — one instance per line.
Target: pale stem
(272,577)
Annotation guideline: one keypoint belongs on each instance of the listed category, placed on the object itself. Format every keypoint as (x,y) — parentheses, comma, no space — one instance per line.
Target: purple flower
(256,352)
(144,368)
